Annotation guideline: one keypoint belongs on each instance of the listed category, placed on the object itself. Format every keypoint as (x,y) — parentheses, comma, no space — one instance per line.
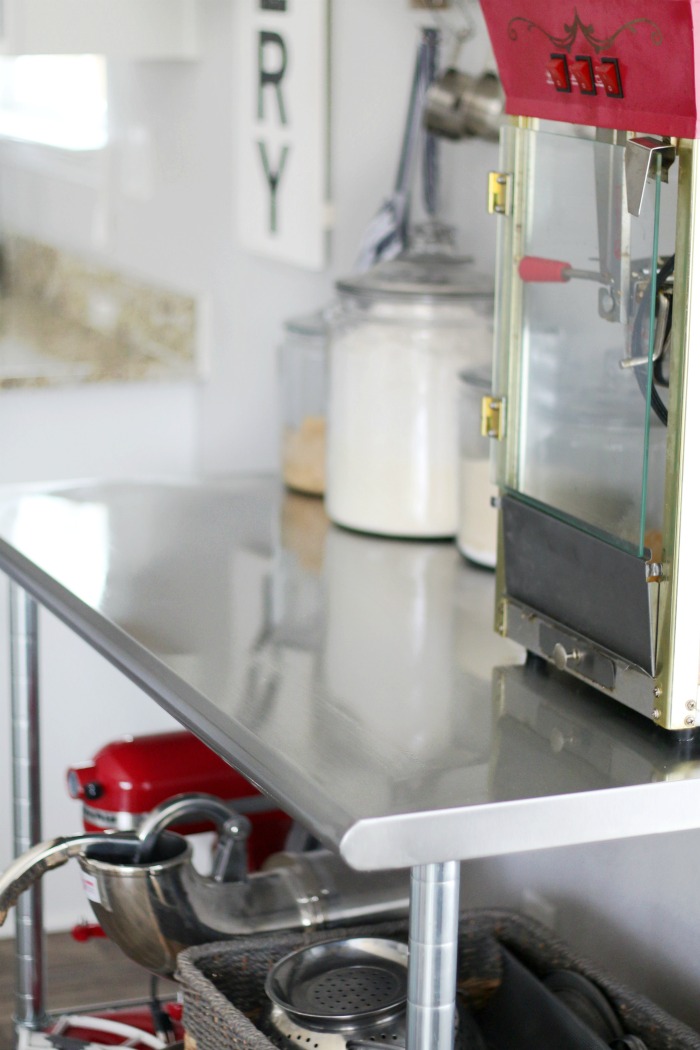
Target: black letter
(273,180)
(273,77)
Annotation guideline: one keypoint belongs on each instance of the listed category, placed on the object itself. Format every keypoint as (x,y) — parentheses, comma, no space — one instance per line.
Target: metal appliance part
(231,859)
(340,993)
(459,106)
(641,154)
(154,910)
(26,870)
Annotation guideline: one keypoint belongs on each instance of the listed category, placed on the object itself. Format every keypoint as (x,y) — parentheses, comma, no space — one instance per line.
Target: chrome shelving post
(26,787)
(432,968)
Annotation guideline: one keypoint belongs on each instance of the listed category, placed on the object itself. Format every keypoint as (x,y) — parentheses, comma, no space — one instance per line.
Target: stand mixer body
(128,778)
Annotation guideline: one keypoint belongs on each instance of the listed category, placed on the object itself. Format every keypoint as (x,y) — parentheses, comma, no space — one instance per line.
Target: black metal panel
(582,582)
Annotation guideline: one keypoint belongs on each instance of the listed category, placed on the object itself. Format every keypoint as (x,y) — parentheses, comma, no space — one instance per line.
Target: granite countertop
(64,322)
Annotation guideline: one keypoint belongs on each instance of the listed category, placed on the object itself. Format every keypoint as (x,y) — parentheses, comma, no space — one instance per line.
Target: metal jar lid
(428,270)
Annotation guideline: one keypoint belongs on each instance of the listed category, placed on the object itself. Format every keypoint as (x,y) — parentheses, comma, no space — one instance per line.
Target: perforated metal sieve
(349,991)
(331,995)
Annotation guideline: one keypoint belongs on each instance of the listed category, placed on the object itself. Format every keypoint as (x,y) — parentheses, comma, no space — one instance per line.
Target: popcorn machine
(595,406)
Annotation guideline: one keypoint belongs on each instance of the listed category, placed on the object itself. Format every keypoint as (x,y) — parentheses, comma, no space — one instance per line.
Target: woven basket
(223,983)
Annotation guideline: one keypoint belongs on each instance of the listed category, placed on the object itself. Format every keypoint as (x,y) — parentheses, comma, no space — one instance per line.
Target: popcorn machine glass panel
(587,446)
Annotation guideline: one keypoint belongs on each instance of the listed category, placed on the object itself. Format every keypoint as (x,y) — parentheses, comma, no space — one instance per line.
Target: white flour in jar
(393,457)
(478,518)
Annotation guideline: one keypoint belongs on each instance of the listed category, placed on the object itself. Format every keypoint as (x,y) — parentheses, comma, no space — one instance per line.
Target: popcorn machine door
(584,367)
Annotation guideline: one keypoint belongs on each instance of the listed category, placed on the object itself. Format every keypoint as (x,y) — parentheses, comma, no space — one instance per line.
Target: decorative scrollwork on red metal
(598,43)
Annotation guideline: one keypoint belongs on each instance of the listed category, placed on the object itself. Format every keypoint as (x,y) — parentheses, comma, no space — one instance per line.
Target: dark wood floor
(77,975)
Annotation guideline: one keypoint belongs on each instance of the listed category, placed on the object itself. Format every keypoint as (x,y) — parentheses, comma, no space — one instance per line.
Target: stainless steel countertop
(356,680)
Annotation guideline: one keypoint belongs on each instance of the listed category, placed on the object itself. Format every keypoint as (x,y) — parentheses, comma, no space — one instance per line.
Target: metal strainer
(339,992)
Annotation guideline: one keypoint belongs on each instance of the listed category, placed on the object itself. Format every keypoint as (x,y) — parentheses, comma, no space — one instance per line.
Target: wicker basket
(223,983)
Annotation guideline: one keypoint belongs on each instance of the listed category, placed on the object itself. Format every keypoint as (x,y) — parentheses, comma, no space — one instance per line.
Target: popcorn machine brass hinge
(499,193)
(493,417)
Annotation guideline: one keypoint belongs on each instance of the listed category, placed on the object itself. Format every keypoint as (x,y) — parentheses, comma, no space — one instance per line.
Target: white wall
(630,904)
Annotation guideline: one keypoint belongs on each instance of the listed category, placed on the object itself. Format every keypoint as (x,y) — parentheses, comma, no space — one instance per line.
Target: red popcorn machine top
(594,408)
(631,64)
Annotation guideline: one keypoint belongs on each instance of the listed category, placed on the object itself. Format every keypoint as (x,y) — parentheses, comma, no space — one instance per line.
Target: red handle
(533,268)
(85,931)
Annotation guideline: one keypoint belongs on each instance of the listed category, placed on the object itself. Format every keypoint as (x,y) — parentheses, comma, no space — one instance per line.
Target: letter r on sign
(268,43)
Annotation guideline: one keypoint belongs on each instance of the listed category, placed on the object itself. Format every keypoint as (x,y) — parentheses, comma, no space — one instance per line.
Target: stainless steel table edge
(520,825)
(401,840)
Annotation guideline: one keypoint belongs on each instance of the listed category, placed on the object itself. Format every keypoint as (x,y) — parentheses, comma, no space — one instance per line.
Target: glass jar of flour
(399,338)
(303,375)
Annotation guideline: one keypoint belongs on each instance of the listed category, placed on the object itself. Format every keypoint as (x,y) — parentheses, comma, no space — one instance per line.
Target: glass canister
(400,335)
(303,377)
(478,517)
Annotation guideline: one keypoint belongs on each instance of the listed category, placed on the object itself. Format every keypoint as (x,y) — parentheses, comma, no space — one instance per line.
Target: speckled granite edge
(64,319)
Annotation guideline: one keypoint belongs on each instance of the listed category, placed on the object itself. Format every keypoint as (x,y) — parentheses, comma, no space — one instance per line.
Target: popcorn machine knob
(564,659)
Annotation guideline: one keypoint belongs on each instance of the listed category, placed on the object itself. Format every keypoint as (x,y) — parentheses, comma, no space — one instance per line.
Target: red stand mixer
(128,778)
(152,901)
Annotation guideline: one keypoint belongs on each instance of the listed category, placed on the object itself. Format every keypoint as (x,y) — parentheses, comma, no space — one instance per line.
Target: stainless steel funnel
(153,910)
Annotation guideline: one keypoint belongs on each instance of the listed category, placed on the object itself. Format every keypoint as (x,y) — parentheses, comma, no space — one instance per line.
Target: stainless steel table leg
(432,967)
(26,786)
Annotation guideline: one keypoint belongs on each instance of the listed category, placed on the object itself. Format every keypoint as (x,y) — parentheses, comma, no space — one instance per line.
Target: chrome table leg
(432,966)
(26,787)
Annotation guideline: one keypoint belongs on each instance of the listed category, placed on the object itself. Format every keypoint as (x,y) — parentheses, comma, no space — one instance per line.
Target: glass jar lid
(480,378)
(313,324)
(428,269)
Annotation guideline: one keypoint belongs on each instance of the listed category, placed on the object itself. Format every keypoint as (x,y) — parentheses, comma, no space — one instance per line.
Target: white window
(57,100)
